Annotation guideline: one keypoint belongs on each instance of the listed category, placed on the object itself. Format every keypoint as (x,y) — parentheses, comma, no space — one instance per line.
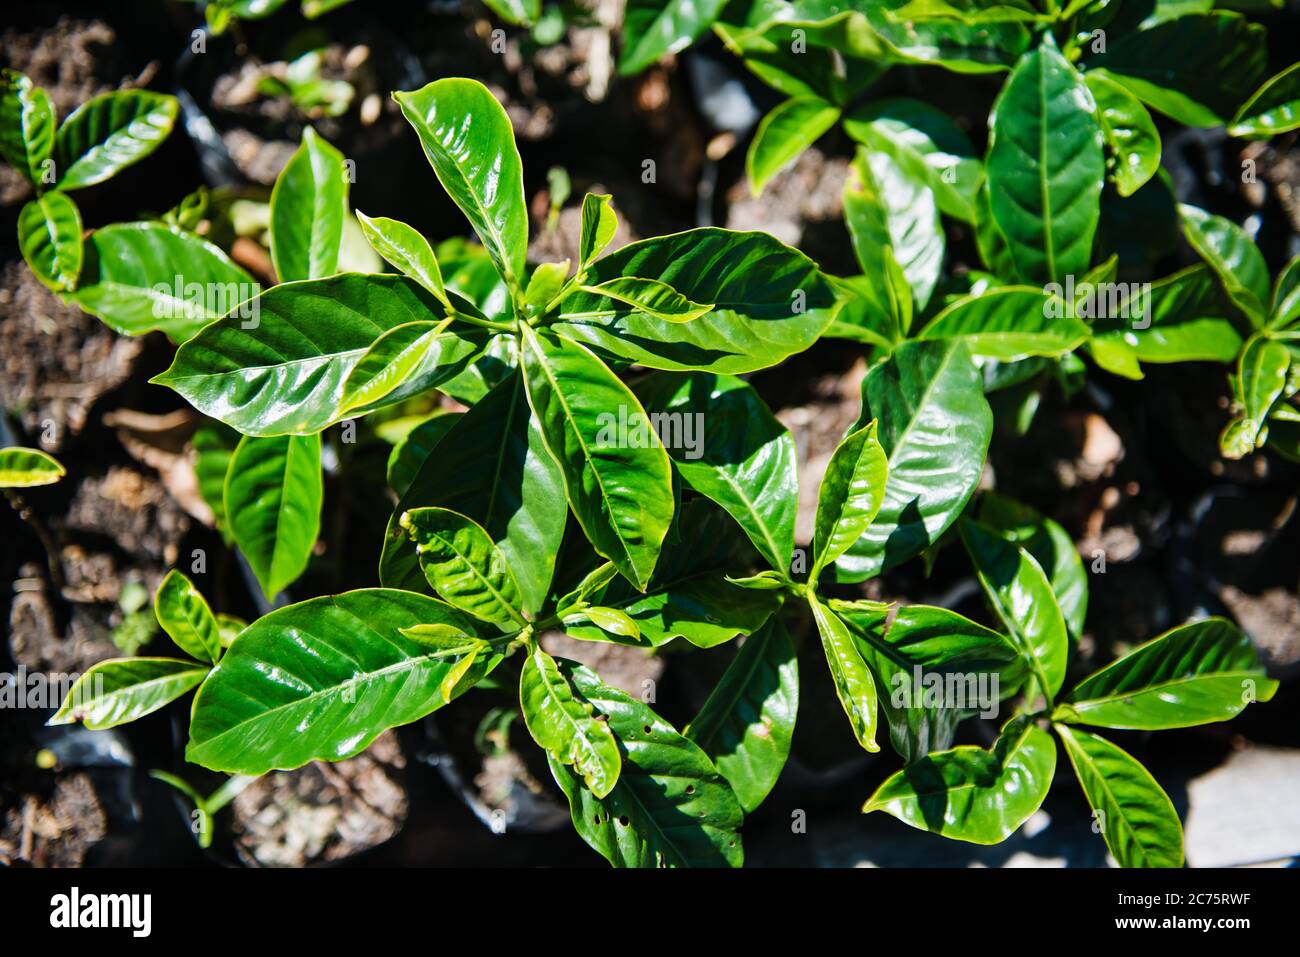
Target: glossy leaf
(308,205)
(655,28)
(563,723)
(935,426)
(273,501)
(468,140)
(1045,167)
(736,454)
(770,302)
(1010,323)
(49,235)
(320,680)
(670,807)
(1129,131)
(617,477)
(650,297)
(121,690)
(850,495)
(1195,674)
(1137,819)
(1262,375)
(1184,318)
(408,250)
(599,223)
(410,454)
(969,794)
(1274,108)
(184,614)
(789,129)
(109,133)
(464,566)
(854,683)
(1233,256)
(26,125)
(1285,307)
(746,725)
(27,468)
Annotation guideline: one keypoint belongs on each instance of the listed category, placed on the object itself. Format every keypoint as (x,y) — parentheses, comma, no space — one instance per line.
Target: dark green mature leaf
(599,223)
(308,204)
(49,235)
(993,246)
(1181,318)
(747,723)
(213,446)
(670,807)
(886,207)
(927,145)
(1045,167)
(850,495)
(272,501)
(1198,673)
(969,794)
(464,566)
(562,723)
(26,468)
(1137,818)
(109,133)
(1274,108)
(655,28)
(1019,591)
(121,690)
(769,300)
(1233,256)
(1010,323)
(468,140)
(730,448)
(284,370)
(935,426)
(493,467)
(26,125)
(1129,130)
(322,679)
(138,277)
(1196,69)
(616,473)
(184,614)
(854,684)
(933,667)
(689,595)
(410,454)
(784,133)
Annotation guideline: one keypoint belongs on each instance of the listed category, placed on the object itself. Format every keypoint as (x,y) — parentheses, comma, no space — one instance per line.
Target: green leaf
(1019,591)
(285,369)
(599,223)
(783,134)
(1196,69)
(1261,380)
(26,125)
(747,723)
(969,794)
(935,426)
(921,646)
(49,235)
(1184,319)
(650,297)
(617,477)
(464,566)
(1045,167)
(927,146)
(853,681)
(320,680)
(1285,307)
(405,361)
(1274,108)
(520,12)
(884,207)
(612,620)
(769,300)
(109,133)
(1198,673)
(273,501)
(468,140)
(689,596)
(731,449)
(493,467)
(213,446)
(184,614)
(27,468)
(410,454)
(992,244)
(655,28)
(1130,132)
(121,690)
(850,495)
(138,277)
(562,723)
(1137,819)
(544,285)
(308,204)
(1050,545)
(1011,323)
(670,806)
(1233,256)
(408,250)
